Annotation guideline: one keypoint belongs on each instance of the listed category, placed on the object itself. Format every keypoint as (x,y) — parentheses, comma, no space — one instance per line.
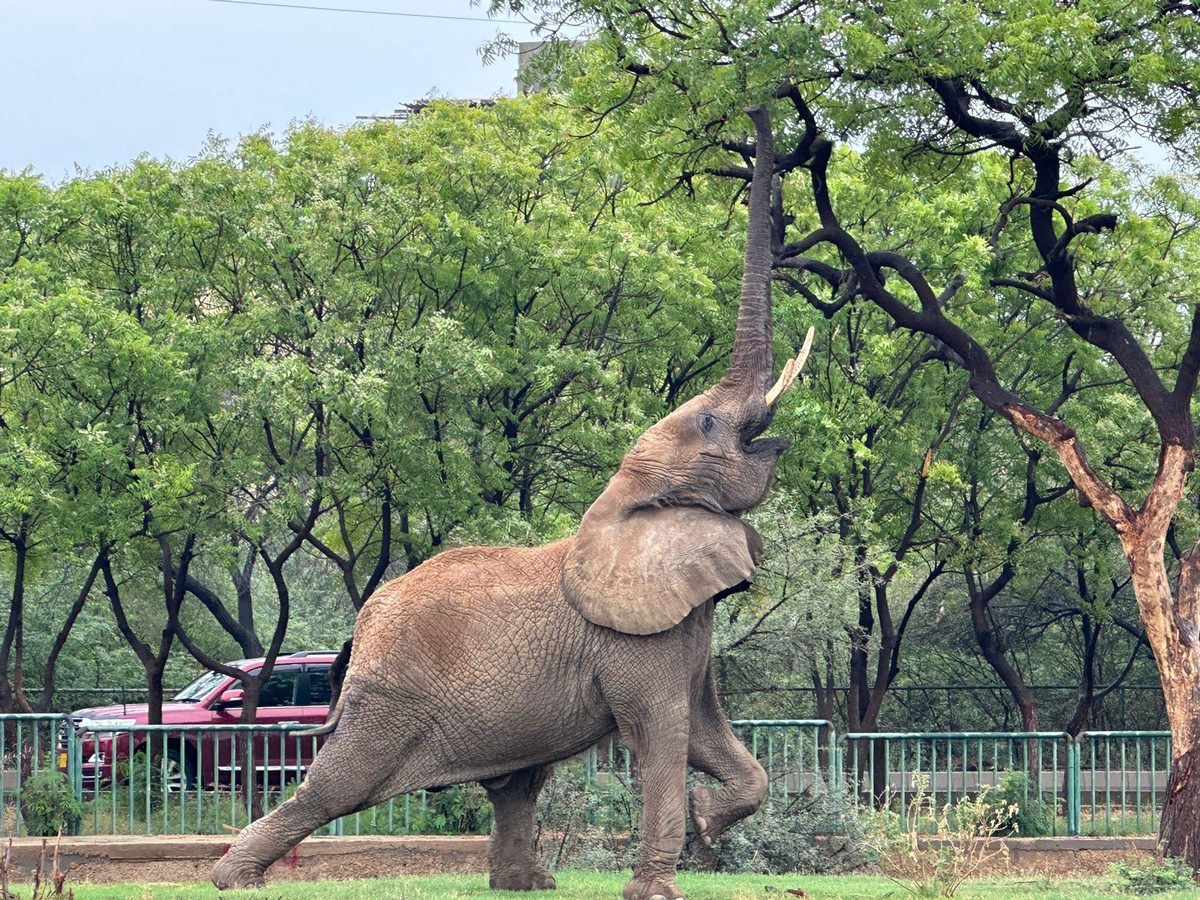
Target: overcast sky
(98,82)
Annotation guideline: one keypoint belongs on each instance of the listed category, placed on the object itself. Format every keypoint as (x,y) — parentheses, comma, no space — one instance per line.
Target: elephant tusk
(791,370)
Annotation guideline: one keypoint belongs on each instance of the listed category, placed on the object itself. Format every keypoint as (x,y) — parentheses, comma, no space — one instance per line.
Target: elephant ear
(642,570)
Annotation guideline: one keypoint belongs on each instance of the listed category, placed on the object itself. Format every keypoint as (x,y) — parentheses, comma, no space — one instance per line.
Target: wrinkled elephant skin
(491,664)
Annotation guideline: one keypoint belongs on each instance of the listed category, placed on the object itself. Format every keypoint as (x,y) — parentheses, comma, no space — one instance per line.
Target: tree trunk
(1179,831)
(12,650)
(994,651)
(60,640)
(1171,627)
(154,693)
(251,795)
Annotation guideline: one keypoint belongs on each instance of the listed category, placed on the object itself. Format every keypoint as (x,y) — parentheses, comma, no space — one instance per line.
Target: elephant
(490,664)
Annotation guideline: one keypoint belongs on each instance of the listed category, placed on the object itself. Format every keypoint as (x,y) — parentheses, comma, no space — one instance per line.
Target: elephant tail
(331,723)
(336,676)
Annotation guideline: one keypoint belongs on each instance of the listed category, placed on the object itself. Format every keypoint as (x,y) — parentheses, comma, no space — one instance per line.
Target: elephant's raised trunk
(752,364)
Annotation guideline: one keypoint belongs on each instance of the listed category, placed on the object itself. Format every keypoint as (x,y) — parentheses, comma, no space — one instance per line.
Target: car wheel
(179,769)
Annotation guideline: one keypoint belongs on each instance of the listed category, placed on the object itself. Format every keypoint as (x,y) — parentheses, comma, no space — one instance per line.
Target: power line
(364,12)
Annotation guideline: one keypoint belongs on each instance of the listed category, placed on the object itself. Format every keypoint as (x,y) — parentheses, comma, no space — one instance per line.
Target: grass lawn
(593,886)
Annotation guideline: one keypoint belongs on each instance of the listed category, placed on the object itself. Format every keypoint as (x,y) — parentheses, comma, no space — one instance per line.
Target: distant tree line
(238,394)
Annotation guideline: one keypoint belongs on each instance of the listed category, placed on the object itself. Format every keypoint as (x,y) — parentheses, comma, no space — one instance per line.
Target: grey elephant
(490,664)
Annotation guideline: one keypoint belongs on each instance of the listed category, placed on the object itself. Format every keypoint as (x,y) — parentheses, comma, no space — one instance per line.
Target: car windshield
(200,688)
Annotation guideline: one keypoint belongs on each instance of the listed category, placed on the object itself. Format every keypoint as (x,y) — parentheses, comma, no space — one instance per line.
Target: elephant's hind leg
(512,863)
(345,777)
(714,749)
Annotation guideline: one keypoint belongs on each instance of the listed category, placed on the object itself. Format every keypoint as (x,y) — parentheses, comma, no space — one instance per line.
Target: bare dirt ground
(174,859)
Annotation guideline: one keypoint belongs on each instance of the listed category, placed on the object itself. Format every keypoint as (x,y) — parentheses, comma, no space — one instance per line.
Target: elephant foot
(708,816)
(531,879)
(230,873)
(661,887)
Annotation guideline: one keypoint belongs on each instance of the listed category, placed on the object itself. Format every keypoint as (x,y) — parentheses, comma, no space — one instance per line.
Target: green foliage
(48,804)
(587,824)
(1031,816)
(1154,877)
(593,824)
(444,333)
(820,831)
(142,777)
(461,809)
(448,332)
(937,865)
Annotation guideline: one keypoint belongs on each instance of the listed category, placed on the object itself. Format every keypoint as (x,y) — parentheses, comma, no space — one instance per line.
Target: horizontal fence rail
(127,778)
(113,777)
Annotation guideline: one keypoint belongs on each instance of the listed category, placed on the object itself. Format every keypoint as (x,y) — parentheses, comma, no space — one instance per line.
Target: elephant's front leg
(512,863)
(714,749)
(660,748)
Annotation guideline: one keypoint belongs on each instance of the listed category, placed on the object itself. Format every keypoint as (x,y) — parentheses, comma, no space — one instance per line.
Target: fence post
(835,769)
(74,760)
(1072,790)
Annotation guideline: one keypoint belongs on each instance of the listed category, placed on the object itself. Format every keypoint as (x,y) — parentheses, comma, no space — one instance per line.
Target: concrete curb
(176,858)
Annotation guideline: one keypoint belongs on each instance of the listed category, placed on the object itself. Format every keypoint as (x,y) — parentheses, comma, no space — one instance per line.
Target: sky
(94,83)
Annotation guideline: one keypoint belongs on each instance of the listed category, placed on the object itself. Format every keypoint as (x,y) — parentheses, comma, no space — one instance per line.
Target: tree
(1042,92)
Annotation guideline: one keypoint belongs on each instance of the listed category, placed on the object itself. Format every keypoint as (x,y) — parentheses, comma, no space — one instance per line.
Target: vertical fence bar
(1054,784)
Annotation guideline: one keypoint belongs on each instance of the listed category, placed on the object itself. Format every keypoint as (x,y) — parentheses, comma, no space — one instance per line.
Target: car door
(315,711)
(275,757)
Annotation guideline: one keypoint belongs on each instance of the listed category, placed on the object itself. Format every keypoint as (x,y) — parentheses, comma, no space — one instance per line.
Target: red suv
(297,692)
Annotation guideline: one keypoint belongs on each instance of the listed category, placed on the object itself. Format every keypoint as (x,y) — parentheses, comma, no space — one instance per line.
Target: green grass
(594,886)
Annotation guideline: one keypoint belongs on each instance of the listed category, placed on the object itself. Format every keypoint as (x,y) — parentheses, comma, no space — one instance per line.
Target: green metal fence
(894,770)
(127,778)
(796,753)
(1120,780)
(1097,783)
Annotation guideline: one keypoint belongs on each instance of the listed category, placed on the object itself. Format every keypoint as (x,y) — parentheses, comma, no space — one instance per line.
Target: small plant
(42,889)
(1154,876)
(586,824)
(960,848)
(1033,817)
(817,831)
(462,809)
(49,806)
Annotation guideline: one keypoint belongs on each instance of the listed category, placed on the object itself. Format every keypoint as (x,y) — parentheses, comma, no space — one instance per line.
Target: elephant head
(667,535)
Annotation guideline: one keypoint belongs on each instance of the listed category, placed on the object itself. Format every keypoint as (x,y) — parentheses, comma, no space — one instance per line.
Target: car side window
(280,689)
(319,692)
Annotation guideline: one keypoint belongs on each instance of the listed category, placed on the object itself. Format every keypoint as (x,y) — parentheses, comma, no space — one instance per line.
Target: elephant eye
(706,422)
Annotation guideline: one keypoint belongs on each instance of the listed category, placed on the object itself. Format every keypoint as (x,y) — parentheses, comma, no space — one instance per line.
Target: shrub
(1032,817)
(1155,876)
(958,850)
(819,831)
(48,805)
(595,825)
(461,809)
(587,825)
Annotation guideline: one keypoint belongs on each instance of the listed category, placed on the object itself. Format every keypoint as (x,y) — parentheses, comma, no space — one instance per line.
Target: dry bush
(941,847)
